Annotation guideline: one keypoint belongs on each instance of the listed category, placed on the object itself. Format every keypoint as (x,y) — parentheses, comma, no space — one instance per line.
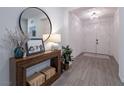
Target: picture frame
(34,46)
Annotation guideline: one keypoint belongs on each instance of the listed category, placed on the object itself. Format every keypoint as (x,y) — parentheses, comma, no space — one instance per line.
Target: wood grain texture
(20,66)
(90,71)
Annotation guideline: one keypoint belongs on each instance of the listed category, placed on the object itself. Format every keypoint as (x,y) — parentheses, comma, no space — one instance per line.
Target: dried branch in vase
(17,37)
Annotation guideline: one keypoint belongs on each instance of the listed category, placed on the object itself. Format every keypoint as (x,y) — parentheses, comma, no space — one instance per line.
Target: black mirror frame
(41,11)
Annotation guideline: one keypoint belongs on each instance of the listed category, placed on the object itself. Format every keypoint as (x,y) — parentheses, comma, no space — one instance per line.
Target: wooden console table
(18,66)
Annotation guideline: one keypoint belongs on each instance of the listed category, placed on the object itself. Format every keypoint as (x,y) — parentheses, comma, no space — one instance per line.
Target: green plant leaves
(66,54)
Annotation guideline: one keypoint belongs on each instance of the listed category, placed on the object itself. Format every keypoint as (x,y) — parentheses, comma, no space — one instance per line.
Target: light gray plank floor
(90,71)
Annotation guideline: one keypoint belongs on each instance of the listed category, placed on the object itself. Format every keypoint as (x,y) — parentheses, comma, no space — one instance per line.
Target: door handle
(97,41)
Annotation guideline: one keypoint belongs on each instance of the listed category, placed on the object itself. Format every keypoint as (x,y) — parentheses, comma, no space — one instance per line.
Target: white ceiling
(85,13)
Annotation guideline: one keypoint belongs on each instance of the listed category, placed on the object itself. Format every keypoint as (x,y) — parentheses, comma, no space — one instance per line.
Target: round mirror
(35,22)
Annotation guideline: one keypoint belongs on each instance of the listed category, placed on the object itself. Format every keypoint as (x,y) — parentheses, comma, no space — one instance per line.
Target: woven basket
(49,72)
(36,79)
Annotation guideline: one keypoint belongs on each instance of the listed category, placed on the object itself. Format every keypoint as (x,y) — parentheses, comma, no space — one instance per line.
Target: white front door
(102,39)
(97,38)
(90,39)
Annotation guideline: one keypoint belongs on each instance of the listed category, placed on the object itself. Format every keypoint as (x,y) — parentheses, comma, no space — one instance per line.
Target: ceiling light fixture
(94,15)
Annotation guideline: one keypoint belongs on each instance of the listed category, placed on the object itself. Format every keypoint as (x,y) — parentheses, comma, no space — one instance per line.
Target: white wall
(9,18)
(71,30)
(76,36)
(121,45)
(115,36)
(65,32)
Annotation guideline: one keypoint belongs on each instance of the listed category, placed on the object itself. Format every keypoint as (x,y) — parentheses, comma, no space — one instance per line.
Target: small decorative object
(19,52)
(66,56)
(35,45)
(18,39)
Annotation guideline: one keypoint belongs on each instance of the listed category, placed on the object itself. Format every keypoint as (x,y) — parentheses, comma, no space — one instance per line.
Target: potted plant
(66,56)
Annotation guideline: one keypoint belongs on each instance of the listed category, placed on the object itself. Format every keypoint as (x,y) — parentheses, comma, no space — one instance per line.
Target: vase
(66,66)
(19,52)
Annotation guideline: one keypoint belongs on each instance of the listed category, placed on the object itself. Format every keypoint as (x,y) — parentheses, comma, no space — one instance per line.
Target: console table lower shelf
(49,81)
(18,67)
